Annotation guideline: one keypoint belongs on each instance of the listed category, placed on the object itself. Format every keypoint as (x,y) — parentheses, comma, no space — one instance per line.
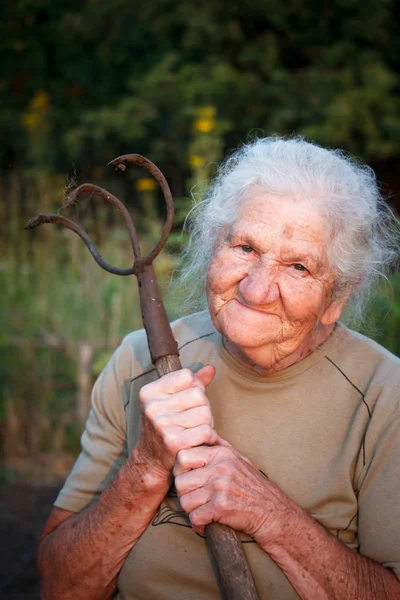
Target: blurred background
(182,83)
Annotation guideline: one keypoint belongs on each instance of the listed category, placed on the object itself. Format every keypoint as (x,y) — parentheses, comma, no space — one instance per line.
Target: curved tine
(145,163)
(72,198)
(50,218)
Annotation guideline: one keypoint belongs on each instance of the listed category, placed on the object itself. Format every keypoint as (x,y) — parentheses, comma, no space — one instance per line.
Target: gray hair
(366,233)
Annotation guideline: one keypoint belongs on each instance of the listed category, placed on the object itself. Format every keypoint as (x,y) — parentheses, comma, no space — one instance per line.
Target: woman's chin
(249,341)
(248,328)
(261,359)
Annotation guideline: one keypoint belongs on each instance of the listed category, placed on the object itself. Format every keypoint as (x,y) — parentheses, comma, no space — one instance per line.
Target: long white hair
(365,240)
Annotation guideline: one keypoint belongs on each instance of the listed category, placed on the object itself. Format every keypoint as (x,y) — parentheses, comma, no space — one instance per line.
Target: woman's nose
(260,285)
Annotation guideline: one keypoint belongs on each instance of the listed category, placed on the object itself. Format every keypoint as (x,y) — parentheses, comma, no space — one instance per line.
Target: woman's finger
(203,515)
(196,498)
(186,419)
(159,406)
(178,381)
(191,480)
(205,375)
(168,384)
(194,458)
(177,439)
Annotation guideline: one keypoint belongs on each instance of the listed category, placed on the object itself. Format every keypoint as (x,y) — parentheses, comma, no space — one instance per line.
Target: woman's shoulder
(353,346)
(368,366)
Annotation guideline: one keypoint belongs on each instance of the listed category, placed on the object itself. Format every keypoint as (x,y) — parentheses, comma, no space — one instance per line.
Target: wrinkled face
(269,285)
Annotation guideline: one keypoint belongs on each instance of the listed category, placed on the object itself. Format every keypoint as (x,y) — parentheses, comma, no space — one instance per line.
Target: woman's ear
(334,310)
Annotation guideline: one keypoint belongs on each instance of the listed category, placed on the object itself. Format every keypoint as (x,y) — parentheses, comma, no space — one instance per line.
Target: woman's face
(269,285)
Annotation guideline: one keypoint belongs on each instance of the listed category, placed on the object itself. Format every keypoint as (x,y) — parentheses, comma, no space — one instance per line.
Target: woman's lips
(253,308)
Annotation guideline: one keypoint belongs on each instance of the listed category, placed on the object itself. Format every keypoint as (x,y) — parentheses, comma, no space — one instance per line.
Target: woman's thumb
(206,375)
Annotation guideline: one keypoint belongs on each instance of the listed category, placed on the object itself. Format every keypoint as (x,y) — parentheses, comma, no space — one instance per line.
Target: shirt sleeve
(104,445)
(379,500)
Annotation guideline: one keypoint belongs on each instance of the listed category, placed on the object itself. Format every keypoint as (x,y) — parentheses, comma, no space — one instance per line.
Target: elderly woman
(284,424)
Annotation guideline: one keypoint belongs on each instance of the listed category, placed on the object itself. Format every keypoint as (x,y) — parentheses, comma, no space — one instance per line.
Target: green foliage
(383,320)
(93,79)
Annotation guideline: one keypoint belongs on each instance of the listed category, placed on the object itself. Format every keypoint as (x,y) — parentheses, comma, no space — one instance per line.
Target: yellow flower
(35,118)
(145,184)
(31,121)
(196,161)
(40,101)
(204,124)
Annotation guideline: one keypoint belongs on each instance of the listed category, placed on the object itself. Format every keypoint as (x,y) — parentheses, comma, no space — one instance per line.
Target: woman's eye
(247,249)
(299,267)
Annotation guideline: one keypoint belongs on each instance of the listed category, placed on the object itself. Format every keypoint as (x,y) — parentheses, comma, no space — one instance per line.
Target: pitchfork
(233,575)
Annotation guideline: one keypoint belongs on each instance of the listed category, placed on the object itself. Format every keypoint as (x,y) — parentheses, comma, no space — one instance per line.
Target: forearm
(320,567)
(83,556)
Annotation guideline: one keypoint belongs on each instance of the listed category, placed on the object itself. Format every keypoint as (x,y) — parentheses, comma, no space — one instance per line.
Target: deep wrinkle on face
(269,284)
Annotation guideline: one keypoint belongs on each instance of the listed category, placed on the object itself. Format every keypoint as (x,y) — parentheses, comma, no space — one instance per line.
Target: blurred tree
(130,76)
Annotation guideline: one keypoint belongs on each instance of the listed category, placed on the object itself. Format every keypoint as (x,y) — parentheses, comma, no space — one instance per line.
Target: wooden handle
(235,580)
(233,574)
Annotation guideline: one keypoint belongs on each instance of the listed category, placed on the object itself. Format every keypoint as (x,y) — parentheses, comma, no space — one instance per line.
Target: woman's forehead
(288,215)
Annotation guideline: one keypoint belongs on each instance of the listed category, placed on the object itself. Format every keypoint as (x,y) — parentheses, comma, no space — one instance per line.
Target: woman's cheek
(302,299)
(223,274)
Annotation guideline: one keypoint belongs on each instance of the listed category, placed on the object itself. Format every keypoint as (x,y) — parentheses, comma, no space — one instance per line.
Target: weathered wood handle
(234,578)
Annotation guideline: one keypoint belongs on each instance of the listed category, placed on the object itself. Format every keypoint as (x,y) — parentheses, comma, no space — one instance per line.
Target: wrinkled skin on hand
(176,415)
(217,483)
(213,480)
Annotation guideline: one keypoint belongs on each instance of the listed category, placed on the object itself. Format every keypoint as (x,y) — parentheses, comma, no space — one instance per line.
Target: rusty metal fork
(233,575)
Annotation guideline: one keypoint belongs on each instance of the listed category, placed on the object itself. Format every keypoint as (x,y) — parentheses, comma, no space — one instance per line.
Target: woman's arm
(321,567)
(218,484)
(80,555)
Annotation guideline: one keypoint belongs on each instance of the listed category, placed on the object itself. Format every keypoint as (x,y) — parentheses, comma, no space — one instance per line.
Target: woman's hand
(176,415)
(217,483)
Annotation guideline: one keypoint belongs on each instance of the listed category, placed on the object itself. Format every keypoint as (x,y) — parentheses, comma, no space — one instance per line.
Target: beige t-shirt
(326,430)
